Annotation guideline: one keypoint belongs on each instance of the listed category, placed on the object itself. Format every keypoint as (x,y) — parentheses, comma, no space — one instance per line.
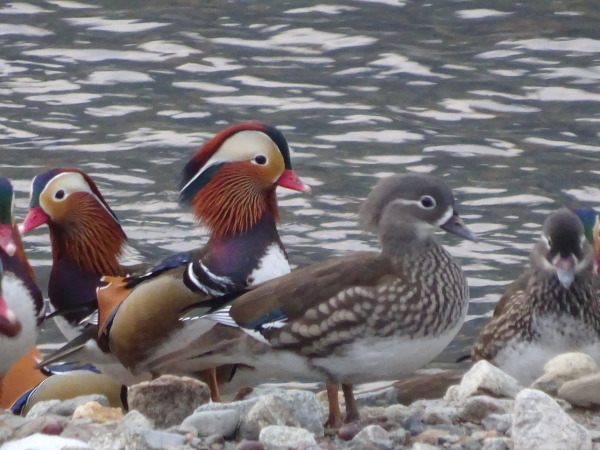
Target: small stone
(434,436)
(539,422)
(249,445)
(348,430)
(157,440)
(476,408)
(168,399)
(380,397)
(97,412)
(414,425)
(241,407)
(269,410)
(50,422)
(85,430)
(398,436)
(223,423)
(68,407)
(135,419)
(563,368)
(397,413)
(41,408)
(499,422)
(435,411)
(43,441)
(376,436)
(497,444)
(278,437)
(483,379)
(421,446)
(584,392)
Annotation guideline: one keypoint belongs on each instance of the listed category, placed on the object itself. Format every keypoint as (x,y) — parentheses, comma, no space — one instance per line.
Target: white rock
(563,368)
(483,379)
(279,437)
(374,435)
(40,441)
(539,422)
(223,423)
(583,392)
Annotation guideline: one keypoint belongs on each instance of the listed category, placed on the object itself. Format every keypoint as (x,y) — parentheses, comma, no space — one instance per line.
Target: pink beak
(7,243)
(290,180)
(10,326)
(35,217)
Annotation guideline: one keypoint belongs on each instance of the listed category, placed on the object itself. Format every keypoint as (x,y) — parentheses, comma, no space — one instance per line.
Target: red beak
(290,180)
(7,242)
(10,326)
(35,217)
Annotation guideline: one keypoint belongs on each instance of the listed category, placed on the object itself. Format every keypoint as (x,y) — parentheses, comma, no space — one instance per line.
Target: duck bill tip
(290,180)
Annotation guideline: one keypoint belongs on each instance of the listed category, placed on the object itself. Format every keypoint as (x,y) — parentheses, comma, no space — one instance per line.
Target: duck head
(563,249)
(82,226)
(409,208)
(231,181)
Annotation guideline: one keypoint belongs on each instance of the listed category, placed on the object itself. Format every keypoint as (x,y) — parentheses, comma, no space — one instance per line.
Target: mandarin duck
(86,239)
(362,317)
(591,225)
(21,301)
(551,309)
(230,183)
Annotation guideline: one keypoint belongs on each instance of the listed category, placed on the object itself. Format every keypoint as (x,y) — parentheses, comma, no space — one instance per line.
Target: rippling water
(501,100)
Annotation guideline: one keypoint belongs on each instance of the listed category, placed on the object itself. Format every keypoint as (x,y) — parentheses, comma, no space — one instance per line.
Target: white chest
(20,302)
(272,265)
(554,336)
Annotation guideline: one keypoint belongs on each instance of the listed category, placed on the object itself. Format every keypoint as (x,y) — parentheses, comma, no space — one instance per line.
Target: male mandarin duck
(21,301)
(552,308)
(230,183)
(591,224)
(86,238)
(363,317)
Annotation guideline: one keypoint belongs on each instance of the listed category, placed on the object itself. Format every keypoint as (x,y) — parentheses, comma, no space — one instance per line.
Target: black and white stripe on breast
(199,278)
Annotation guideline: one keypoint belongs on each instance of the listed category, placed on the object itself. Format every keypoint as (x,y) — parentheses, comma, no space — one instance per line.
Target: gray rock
(421,446)
(398,436)
(92,432)
(41,408)
(498,422)
(397,413)
(380,397)
(168,399)
(435,411)
(50,424)
(375,436)
(476,408)
(269,410)
(44,442)
(414,425)
(483,379)
(497,444)
(278,437)
(584,392)
(157,440)
(68,407)
(241,407)
(539,422)
(135,419)
(562,368)
(223,423)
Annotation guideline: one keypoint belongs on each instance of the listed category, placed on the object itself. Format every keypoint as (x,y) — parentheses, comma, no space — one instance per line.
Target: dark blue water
(500,99)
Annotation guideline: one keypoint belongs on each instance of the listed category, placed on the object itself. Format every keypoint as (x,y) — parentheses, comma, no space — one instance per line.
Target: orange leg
(334,420)
(351,408)
(210,375)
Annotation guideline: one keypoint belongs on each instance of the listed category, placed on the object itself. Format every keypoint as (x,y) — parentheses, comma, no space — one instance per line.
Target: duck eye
(260,160)
(427,202)
(59,195)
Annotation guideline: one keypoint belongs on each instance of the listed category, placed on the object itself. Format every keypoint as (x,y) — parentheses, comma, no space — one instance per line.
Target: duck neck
(249,257)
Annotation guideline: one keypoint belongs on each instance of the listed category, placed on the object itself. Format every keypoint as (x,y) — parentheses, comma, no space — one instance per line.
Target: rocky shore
(485,409)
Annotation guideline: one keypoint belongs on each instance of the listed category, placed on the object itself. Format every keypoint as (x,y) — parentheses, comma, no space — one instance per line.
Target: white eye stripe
(446,216)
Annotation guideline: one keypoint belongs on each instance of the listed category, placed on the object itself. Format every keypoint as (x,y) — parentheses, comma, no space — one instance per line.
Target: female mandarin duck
(363,317)
(231,184)
(21,301)
(551,309)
